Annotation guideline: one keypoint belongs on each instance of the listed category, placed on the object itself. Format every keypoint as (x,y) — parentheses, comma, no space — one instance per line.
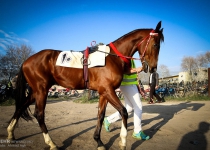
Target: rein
(125,58)
(118,53)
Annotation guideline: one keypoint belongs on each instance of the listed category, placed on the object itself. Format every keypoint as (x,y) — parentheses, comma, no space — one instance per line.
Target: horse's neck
(128,44)
(126,48)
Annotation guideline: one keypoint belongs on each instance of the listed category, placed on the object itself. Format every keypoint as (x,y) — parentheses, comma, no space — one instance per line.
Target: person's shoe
(106,124)
(140,136)
(151,102)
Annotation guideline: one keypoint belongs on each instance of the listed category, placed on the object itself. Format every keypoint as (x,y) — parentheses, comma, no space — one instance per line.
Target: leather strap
(85,67)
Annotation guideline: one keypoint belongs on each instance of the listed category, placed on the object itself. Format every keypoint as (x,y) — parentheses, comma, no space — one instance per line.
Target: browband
(155,34)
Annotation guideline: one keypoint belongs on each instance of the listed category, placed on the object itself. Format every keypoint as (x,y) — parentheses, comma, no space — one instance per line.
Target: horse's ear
(158,26)
(161,30)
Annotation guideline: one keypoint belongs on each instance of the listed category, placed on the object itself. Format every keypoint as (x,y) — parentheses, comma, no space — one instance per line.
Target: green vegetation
(85,98)
(7,102)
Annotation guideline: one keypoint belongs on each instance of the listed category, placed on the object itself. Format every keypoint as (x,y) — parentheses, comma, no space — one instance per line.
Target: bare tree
(188,64)
(144,77)
(207,57)
(196,66)
(200,61)
(11,62)
(203,60)
(163,71)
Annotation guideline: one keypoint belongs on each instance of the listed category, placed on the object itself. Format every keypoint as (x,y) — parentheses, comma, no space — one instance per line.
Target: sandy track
(171,125)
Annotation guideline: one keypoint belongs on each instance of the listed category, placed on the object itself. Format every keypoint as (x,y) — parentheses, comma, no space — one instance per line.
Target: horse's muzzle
(145,66)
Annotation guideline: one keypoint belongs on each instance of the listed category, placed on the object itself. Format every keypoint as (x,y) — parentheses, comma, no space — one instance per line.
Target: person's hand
(139,69)
(134,70)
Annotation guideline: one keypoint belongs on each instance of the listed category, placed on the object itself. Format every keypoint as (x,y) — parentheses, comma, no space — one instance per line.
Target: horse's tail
(20,96)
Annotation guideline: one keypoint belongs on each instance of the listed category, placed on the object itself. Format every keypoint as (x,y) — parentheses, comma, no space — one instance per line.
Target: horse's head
(145,41)
(149,50)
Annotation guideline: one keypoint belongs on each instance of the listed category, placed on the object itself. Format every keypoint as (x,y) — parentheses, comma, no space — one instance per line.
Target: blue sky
(72,24)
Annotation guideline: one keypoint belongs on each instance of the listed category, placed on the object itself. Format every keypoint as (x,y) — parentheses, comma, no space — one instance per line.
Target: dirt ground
(171,126)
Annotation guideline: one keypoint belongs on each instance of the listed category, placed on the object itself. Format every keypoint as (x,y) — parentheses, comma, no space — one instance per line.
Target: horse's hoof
(122,147)
(101,148)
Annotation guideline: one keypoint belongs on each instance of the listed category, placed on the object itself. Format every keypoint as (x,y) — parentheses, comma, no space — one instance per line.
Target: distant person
(154,83)
(13,82)
(181,83)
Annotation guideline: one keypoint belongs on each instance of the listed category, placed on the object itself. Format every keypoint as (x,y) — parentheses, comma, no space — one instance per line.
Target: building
(169,79)
(200,74)
(196,75)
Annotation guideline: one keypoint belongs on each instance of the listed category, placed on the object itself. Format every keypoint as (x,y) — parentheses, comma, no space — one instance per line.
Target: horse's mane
(131,32)
(137,30)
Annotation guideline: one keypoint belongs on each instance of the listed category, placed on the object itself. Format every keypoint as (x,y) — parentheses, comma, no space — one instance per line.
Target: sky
(73,25)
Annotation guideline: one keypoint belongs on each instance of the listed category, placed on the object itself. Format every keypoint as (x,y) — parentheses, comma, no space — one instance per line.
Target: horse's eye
(156,45)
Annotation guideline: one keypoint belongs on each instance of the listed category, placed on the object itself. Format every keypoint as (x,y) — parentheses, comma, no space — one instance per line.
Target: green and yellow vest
(130,79)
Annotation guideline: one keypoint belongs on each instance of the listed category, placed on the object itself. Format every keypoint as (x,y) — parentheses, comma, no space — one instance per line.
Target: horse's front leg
(101,113)
(123,135)
(39,115)
(116,103)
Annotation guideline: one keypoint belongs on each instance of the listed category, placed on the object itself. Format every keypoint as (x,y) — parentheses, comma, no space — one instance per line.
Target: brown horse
(39,72)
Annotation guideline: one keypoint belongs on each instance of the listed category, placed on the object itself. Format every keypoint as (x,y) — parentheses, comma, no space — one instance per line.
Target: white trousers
(132,102)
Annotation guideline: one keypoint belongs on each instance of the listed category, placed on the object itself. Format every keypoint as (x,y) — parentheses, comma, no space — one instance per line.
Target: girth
(85,67)
(86,53)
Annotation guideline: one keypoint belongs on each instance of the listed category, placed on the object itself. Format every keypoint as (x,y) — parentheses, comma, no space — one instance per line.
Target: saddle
(90,57)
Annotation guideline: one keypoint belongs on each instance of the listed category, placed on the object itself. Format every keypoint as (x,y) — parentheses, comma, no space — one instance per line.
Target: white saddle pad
(74,59)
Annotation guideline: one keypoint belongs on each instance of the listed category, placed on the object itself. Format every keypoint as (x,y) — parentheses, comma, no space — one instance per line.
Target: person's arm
(157,80)
(133,70)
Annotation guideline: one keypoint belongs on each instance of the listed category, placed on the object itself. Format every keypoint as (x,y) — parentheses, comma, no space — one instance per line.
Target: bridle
(143,61)
(125,58)
(147,37)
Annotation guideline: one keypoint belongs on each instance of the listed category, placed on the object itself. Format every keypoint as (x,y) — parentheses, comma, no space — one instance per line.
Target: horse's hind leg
(101,114)
(11,128)
(15,118)
(39,115)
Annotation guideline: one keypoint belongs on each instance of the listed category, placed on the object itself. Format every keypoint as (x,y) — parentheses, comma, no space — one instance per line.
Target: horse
(39,72)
